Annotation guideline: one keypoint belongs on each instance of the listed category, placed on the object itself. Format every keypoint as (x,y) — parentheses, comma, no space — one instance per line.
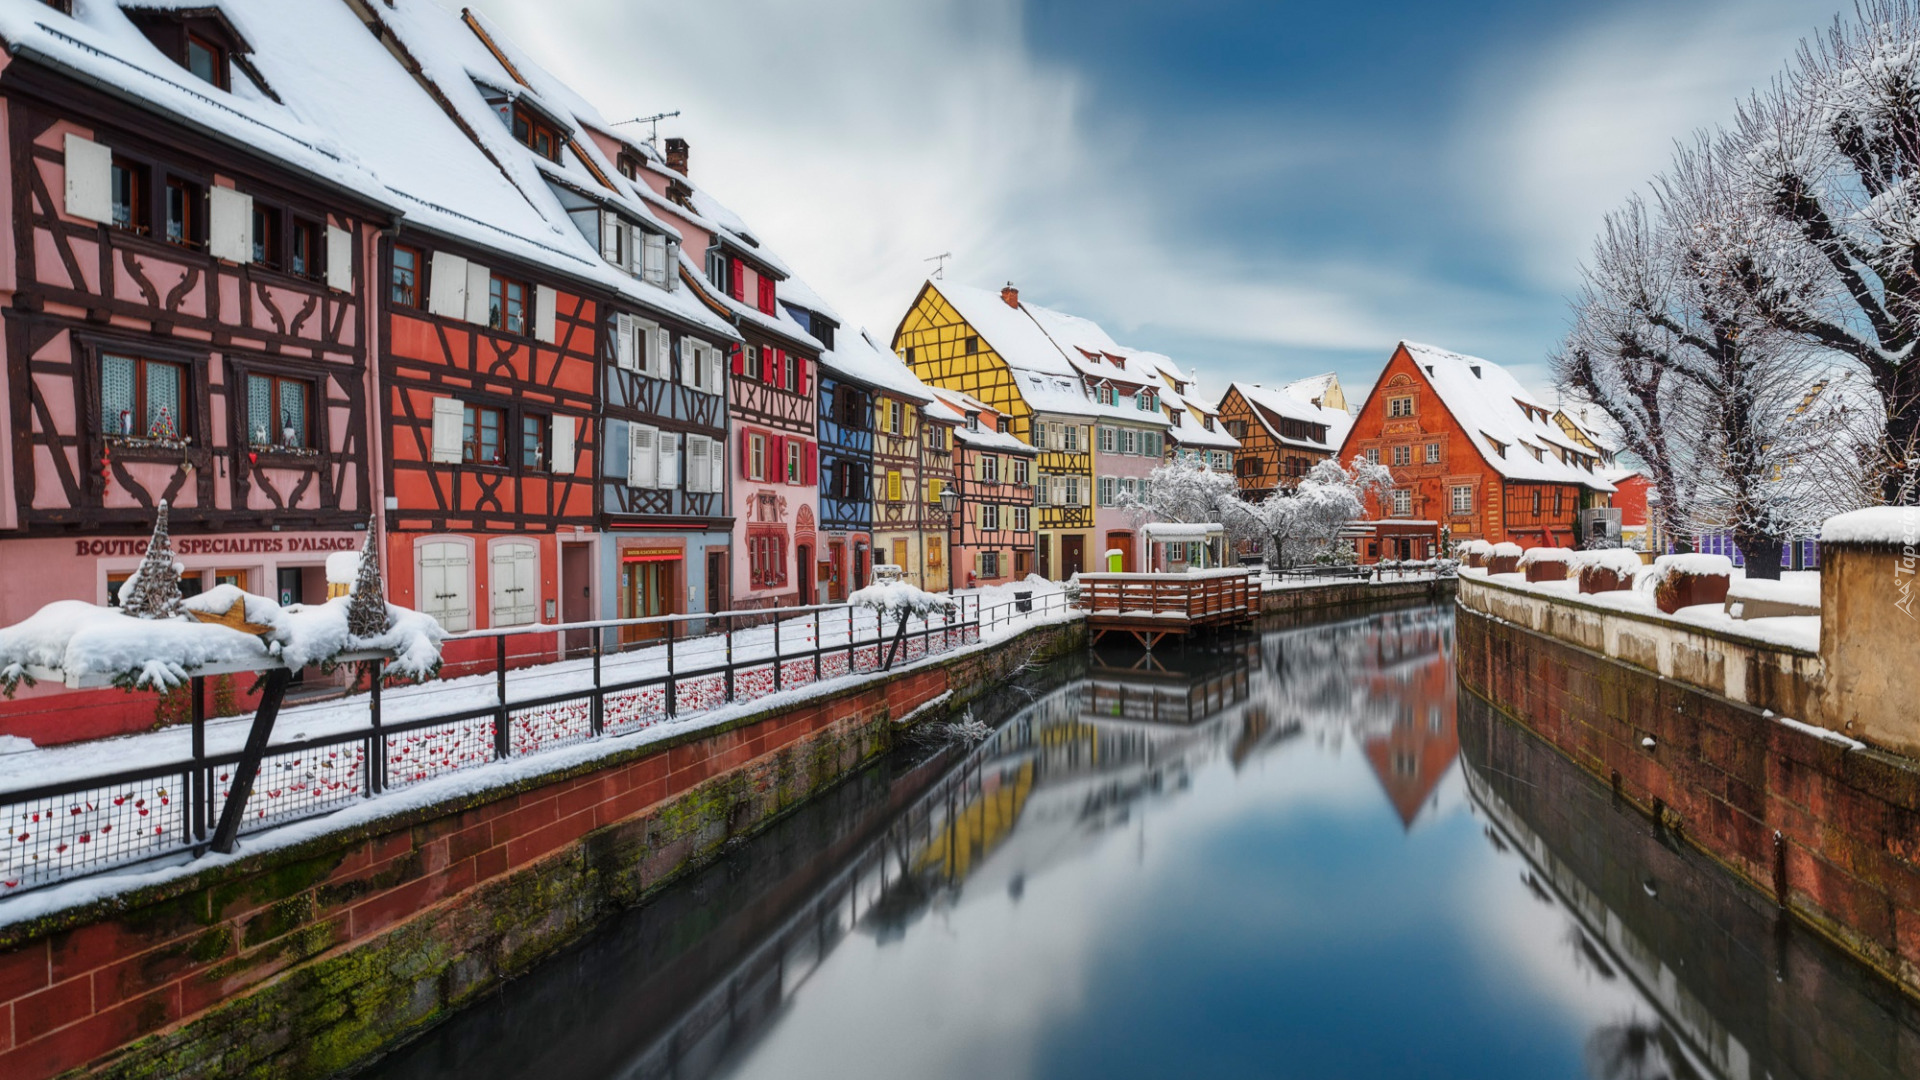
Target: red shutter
(812,477)
(746,454)
(776,375)
(739,280)
(777,455)
(739,360)
(766,295)
(800,373)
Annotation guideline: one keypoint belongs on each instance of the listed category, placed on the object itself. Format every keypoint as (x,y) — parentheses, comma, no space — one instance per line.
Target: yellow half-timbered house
(989,347)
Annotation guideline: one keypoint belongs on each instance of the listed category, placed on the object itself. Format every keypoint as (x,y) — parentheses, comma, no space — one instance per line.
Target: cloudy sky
(1262,190)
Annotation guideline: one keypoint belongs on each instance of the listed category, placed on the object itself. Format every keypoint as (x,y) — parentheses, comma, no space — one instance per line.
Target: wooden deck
(1151,607)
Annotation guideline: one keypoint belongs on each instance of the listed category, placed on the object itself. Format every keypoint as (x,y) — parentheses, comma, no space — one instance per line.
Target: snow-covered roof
(1268,403)
(1489,403)
(1009,331)
(855,355)
(100,45)
(1313,388)
(793,290)
(1192,432)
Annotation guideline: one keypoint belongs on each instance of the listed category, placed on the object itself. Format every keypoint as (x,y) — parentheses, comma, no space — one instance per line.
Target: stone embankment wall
(1343,593)
(305,959)
(1691,726)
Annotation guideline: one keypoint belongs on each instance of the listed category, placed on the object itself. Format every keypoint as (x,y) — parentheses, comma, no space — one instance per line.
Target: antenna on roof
(940,269)
(655,119)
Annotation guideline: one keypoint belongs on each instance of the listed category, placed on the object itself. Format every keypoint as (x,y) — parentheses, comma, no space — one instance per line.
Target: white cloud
(1556,139)
(862,136)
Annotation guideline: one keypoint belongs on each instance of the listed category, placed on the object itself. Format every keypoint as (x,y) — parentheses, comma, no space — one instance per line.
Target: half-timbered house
(988,346)
(938,424)
(1281,437)
(186,323)
(661,364)
(1473,456)
(993,472)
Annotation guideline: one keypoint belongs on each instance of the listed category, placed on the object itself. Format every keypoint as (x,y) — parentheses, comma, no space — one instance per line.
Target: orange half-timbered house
(1473,456)
(1281,437)
(185,322)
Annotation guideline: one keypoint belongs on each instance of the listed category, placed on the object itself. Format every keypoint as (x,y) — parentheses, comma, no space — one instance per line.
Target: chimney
(677,155)
(1011,295)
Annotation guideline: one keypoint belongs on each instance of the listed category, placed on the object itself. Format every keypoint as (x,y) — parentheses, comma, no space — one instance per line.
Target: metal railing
(388,738)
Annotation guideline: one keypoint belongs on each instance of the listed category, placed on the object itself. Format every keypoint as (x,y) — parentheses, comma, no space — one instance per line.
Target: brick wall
(306,959)
(1725,776)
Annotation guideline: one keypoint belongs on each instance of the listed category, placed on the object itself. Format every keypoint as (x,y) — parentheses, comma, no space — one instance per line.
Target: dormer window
(535,133)
(207,61)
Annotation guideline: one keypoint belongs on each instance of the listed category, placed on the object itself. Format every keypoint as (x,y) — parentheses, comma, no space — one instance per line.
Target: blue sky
(1262,190)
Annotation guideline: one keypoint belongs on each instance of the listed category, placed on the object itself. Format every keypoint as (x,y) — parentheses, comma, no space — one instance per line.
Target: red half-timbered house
(185,322)
(993,472)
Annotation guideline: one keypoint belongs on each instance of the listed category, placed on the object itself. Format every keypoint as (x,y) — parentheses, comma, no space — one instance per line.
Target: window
(1106,395)
(207,61)
(266,235)
(143,399)
(1020,467)
(507,305)
(183,211)
(1006,425)
(1402,502)
(896,417)
(717,269)
(278,413)
(1400,406)
(1108,441)
(796,455)
(1462,499)
(1536,500)
(1022,519)
(129,195)
(1074,496)
(1433,453)
(1373,455)
(1107,491)
(990,468)
(1403,455)
(533,442)
(936,437)
(306,249)
(1070,436)
(1558,504)
(406,288)
(990,564)
(483,439)
(756,457)
(973,344)
(536,134)
(753,363)
(990,517)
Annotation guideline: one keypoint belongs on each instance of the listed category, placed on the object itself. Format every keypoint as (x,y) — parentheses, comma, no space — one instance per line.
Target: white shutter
(717,466)
(623,340)
(673,265)
(610,227)
(445,585)
(669,475)
(699,463)
(689,356)
(545,320)
(563,445)
(479,303)
(229,225)
(89,172)
(339,259)
(515,583)
(716,372)
(447,289)
(642,463)
(654,251)
(449,423)
(634,235)
(662,351)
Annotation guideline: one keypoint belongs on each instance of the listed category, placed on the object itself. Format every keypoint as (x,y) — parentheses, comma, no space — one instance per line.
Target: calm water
(1303,855)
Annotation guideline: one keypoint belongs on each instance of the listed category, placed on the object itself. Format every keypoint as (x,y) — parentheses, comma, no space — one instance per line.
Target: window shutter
(689,357)
(746,453)
(669,475)
(89,171)
(563,444)
(777,367)
(739,360)
(445,591)
(229,225)
(545,318)
(777,455)
(642,456)
(800,373)
(449,420)
(811,465)
(479,304)
(672,281)
(699,463)
(662,343)
(716,372)
(610,226)
(515,584)
(447,289)
(655,253)
(717,466)
(739,280)
(623,340)
(339,259)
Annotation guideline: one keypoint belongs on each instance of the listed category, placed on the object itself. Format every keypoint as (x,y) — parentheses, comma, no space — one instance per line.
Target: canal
(1301,853)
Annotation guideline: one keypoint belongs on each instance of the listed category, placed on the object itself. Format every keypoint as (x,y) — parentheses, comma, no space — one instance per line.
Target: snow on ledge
(1799,633)
(1822,734)
(1897,526)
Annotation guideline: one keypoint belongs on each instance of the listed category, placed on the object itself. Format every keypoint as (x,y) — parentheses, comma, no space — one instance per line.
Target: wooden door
(1044,545)
(647,589)
(803,572)
(1073,555)
(446,585)
(576,596)
(718,598)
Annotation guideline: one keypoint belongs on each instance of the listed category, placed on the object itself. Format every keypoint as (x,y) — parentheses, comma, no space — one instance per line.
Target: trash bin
(1023,601)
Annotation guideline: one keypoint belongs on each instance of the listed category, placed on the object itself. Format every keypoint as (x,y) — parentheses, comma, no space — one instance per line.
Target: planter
(1548,570)
(1597,579)
(1504,564)
(1685,588)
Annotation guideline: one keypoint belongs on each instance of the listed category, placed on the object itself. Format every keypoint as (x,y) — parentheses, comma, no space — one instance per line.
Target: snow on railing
(595,685)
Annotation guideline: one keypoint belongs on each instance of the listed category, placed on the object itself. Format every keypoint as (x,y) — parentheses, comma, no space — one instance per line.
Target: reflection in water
(1263,863)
